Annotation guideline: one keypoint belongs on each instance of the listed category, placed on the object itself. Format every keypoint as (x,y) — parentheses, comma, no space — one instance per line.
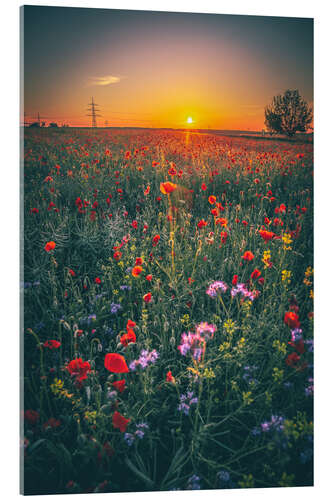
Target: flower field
(168,311)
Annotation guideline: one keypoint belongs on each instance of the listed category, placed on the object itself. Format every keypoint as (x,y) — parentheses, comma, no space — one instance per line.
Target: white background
(9,243)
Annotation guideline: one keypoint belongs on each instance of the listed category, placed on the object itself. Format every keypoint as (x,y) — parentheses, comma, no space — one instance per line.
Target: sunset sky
(153,69)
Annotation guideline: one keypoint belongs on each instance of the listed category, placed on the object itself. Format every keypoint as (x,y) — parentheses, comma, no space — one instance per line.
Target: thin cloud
(103,80)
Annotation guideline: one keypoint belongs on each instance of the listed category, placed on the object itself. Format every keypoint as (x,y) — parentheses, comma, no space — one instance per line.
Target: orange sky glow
(151,69)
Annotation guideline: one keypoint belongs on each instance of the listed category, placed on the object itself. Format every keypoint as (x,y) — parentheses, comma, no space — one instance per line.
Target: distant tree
(53,124)
(34,124)
(287,114)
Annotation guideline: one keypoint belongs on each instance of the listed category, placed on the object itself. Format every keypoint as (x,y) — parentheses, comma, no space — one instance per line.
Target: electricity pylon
(92,107)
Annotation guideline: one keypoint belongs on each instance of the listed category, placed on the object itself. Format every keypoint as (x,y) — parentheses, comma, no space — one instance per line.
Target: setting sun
(189,120)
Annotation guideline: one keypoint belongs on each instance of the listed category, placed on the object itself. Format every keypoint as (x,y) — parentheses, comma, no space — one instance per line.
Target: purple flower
(241,288)
(186,400)
(193,483)
(215,286)
(309,342)
(129,438)
(296,334)
(192,342)
(206,329)
(114,308)
(223,476)
(145,359)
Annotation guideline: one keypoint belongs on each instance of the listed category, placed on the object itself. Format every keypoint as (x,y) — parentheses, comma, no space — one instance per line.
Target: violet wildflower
(241,288)
(129,438)
(146,358)
(186,401)
(193,483)
(114,308)
(192,342)
(296,334)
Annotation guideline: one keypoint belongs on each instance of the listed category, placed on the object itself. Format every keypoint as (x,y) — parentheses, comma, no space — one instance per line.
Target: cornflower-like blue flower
(129,438)
(215,286)
(193,483)
(114,308)
(223,476)
(125,287)
(139,433)
(186,401)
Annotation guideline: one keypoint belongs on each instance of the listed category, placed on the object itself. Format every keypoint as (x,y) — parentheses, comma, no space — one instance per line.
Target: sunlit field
(168,311)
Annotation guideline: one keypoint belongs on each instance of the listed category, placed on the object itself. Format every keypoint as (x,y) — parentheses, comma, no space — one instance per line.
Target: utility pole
(92,107)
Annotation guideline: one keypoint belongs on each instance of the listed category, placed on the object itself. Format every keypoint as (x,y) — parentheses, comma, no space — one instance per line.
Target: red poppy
(135,224)
(98,281)
(52,344)
(147,297)
(248,256)
(255,274)
(79,368)
(115,363)
(167,187)
(139,261)
(156,239)
(120,422)
(202,224)
(266,235)
(136,271)
(117,255)
(71,272)
(149,277)
(130,324)
(128,337)
(146,191)
(222,222)
(50,245)
(169,377)
(224,236)
(119,385)
(234,279)
(291,319)
(212,199)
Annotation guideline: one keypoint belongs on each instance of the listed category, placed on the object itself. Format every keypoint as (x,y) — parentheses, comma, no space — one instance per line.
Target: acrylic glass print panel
(167,284)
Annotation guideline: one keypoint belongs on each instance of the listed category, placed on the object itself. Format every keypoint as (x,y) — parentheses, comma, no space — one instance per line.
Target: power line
(92,107)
